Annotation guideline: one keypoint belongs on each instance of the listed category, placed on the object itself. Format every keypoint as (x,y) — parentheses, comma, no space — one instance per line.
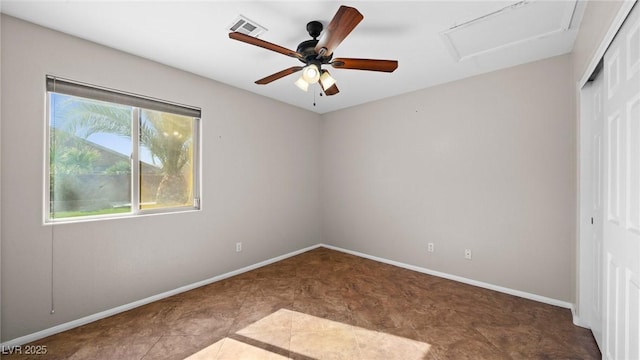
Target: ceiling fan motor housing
(307,48)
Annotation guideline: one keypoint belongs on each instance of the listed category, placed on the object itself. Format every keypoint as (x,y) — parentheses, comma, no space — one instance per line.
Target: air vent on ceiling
(249,27)
(520,22)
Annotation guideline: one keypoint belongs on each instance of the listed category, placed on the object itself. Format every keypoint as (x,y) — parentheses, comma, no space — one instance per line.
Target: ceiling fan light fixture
(326,80)
(311,73)
(302,84)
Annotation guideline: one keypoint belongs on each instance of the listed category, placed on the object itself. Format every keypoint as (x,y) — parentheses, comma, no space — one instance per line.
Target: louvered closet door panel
(621,244)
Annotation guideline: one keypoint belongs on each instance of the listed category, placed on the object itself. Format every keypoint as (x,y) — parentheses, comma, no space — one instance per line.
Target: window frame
(138,103)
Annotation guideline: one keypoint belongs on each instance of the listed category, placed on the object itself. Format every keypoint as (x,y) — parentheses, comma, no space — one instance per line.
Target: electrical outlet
(430,247)
(467,254)
(238,247)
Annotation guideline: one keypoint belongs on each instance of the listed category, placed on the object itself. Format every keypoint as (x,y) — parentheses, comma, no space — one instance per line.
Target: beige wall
(260,179)
(484,163)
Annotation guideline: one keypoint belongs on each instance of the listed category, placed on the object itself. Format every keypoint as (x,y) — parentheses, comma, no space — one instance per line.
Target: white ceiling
(193,36)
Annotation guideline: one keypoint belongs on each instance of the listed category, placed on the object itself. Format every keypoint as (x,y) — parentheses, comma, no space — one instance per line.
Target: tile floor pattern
(325,304)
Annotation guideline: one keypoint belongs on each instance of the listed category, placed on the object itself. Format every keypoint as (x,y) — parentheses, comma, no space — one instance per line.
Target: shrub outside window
(117,154)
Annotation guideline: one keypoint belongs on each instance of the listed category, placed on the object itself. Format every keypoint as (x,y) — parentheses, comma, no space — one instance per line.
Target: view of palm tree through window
(168,138)
(92,152)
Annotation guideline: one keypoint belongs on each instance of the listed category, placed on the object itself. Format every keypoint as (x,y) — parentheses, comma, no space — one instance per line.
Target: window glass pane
(166,160)
(90,147)
(109,157)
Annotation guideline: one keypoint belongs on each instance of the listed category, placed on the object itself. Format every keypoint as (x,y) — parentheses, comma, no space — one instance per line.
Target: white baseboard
(577,320)
(461,279)
(103,314)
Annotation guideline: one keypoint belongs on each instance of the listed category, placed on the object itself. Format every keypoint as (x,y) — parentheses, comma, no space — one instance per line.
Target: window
(113,154)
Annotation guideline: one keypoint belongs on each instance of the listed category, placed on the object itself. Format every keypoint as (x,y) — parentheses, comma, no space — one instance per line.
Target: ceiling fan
(315,53)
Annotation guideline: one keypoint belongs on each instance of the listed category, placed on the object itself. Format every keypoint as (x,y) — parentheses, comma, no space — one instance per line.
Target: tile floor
(324,304)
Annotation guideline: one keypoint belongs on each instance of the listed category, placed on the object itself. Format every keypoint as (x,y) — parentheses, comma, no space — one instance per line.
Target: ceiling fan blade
(278,75)
(365,64)
(343,22)
(263,44)
(331,90)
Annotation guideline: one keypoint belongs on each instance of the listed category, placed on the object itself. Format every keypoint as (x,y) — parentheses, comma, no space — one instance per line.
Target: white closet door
(621,241)
(596,195)
(591,177)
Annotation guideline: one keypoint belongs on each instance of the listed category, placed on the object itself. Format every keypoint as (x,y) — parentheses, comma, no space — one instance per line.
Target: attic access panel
(521,22)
